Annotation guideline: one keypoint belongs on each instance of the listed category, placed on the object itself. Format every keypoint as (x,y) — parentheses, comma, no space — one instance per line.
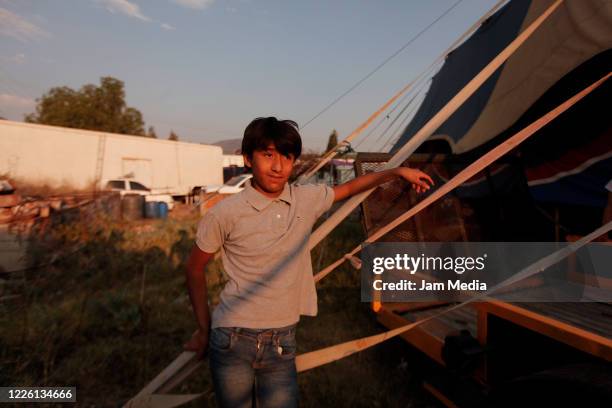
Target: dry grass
(110,316)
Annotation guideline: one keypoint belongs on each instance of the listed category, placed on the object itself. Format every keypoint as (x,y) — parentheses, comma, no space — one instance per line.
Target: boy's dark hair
(283,133)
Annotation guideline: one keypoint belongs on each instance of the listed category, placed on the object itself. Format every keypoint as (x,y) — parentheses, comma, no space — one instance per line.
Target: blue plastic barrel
(163,210)
(152,209)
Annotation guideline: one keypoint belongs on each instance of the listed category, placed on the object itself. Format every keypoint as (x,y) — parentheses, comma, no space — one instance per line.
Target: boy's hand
(417,178)
(198,343)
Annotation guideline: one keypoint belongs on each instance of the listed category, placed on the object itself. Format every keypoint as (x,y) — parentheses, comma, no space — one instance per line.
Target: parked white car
(127,186)
(234,185)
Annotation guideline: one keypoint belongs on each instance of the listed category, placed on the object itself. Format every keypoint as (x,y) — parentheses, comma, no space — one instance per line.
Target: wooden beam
(563,332)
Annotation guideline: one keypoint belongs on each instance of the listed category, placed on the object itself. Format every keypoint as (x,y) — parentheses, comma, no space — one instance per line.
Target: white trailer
(83,159)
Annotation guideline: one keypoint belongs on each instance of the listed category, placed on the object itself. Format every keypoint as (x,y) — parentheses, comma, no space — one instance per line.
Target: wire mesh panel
(445,220)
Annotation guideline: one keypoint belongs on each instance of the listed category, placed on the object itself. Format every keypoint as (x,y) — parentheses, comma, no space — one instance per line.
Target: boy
(263,234)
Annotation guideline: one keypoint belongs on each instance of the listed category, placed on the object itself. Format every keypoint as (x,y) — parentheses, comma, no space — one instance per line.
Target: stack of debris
(8,200)
(23,212)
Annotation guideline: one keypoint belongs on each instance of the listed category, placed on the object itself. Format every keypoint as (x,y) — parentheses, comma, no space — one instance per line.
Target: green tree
(151,132)
(332,141)
(173,136)
(92,107)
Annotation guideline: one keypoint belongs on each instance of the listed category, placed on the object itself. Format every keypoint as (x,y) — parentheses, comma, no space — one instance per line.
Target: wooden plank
(438,395)
(565,333)
(184,359)
(162,400)
(448,323)
(592,317)
(180,376)
(418,337)
(400,307)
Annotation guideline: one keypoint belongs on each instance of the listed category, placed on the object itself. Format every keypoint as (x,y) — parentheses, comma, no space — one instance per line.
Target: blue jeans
(254,367)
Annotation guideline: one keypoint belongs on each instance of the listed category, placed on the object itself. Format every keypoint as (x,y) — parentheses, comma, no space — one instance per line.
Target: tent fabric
(577,176)
(570,160)
(460,67)
(586,187)
(576,32)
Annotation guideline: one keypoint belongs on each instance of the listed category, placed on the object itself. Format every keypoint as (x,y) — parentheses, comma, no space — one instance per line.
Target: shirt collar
(260,201)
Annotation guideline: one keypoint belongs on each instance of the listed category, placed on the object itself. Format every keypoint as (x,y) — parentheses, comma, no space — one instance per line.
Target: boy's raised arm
(417,178)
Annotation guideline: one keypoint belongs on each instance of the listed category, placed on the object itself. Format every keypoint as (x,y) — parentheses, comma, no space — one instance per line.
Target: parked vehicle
(6,187)
(127,186)
(234,185)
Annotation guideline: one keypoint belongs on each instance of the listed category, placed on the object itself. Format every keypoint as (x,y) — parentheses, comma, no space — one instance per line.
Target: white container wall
(74,157)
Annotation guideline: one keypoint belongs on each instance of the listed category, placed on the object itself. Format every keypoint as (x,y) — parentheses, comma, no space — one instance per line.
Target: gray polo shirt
(264,250)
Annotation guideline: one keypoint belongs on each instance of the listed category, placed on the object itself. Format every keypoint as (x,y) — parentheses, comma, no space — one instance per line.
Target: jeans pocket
(288,345)
(221,338)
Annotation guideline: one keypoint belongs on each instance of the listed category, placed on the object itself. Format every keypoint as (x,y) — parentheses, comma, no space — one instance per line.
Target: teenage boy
(263,234)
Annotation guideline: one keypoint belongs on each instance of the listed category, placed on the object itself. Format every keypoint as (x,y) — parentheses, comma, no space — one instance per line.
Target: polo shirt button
(277,215)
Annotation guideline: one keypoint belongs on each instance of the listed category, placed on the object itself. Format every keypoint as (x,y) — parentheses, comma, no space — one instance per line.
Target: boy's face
(271,170)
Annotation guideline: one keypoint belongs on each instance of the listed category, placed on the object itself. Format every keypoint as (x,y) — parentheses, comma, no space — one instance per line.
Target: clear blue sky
(205,68)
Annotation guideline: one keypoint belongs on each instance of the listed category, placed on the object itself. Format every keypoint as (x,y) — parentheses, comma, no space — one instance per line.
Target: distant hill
(233,146)
(229,146)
